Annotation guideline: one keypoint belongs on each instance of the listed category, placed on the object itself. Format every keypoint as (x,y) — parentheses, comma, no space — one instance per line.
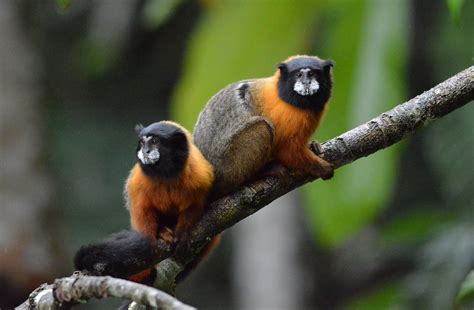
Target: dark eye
(310,73)
(299,75)
(155,140)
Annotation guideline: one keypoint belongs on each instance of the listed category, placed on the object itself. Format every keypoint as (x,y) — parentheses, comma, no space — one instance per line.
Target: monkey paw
(315,147)
(323,170)
(167,235)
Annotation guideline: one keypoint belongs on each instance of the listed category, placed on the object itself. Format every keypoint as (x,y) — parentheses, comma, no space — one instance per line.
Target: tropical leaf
(63,5)
(157,12)
(466,292)
(455,7)
(382,298)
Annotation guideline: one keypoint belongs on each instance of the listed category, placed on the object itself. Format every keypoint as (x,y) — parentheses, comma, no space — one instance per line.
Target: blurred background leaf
(92,59)
(455,7)
(369,43)
(466,293)
(156,12)
(63,5)
(382,298)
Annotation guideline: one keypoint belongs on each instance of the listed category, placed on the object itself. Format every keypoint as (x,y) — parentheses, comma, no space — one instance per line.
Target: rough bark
(377,134)
(78,288)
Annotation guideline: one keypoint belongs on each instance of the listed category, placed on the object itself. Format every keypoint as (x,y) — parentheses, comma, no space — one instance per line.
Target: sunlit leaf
(455,7)
(413,226)
(63,4)
(92,59)
(157,12)
(382,298)
(466,292)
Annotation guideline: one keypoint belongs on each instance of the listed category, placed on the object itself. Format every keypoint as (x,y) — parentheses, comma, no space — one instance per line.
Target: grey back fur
(233,137)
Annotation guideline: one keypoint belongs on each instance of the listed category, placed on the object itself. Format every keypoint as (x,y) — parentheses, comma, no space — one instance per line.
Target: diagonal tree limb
(377,134)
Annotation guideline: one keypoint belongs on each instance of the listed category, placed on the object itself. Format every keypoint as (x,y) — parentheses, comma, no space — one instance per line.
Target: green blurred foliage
(414,226)
(157,12)
(455,7)
(63,5)
(448,256)
(442,265)
(368,40)
(383,298)
(466,293)
(92,59)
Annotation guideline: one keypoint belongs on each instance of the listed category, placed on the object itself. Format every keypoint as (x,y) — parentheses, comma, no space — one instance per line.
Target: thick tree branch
(79,288)
(377,134)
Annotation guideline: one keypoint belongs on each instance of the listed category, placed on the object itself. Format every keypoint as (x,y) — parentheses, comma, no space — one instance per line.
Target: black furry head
(305,82)
(121,255)
(162,150)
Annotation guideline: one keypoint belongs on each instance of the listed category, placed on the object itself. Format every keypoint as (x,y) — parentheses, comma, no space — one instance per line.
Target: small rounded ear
(283,68)
(327,65)
(138,128)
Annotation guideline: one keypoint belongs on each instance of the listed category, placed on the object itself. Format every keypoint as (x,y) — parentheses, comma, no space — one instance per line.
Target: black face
(305,82)
(162,149)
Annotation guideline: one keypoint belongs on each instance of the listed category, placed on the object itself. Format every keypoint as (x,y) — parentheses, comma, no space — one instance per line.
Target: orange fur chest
(168,197)
(293,126)
(144,191)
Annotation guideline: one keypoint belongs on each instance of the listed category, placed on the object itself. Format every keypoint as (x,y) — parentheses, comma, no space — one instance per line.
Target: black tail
(121,255)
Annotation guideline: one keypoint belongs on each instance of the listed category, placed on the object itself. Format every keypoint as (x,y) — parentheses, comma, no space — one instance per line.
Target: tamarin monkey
(166,194)
(253,122)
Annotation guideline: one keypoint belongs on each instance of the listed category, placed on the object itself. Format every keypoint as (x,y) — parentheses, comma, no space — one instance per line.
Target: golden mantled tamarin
(253,122)
(243,128)
(166,194)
